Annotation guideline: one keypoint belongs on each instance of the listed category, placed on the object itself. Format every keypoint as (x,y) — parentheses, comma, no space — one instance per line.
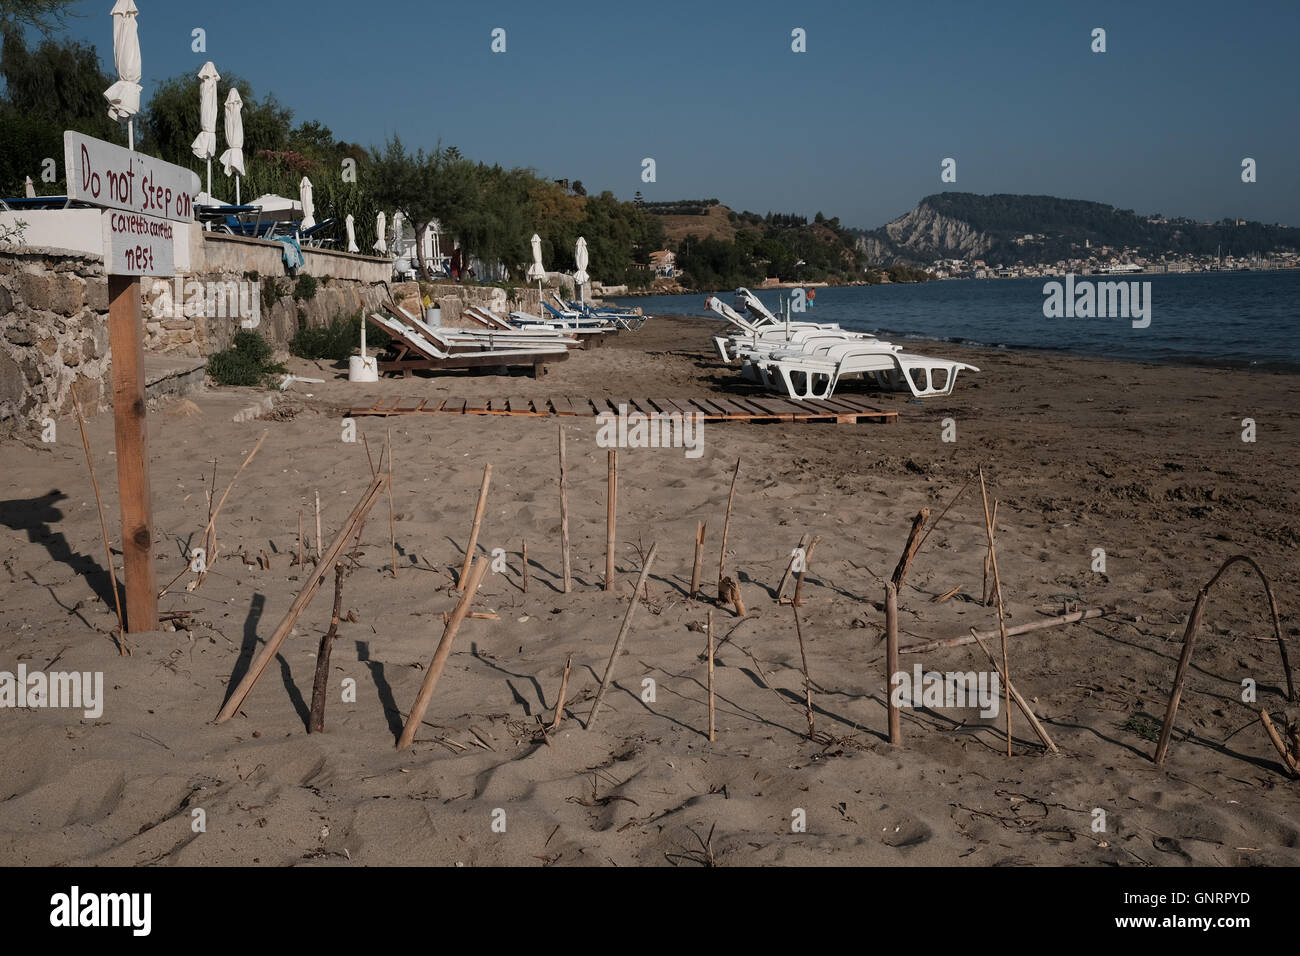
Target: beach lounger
(413,350)
(817,374)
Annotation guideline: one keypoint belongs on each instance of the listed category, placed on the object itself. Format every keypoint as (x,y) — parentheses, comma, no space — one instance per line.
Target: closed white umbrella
(29,189)
(581,277)
(381,226)
(124,95)
(308,207)
(233,158)
(352,243)
(397,233)
(205,146)
(537,270)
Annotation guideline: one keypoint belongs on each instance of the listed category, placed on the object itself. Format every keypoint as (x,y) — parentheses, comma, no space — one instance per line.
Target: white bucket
(363,368)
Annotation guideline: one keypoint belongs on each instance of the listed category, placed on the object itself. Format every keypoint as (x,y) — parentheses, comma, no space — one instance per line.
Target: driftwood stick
(103,526)
(807,681)
(891,661)
(304,597)
(909,552)
(1071,618)
(807,561)
(1015,695)
(564,693)
(300,559)
(1288,759)
(1002,619)
(611,516)
(564,518)
(699,559)
(1189,638)
(525,560)
(800,550)
(320,685)
(392,533)
(474,577)
(622,636)
(478,521)
(726,526)
(710,648)
(217,510)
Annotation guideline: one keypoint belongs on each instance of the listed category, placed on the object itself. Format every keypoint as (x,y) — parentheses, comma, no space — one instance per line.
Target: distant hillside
(1011,228)
(715,223)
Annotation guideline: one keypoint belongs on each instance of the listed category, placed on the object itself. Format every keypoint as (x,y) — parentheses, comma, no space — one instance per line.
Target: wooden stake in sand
(807,681)
(891,622)
(710,642)
(1015,695)
(564,693)
(622,636)
(800,550)
(564,518)
(392,533)
(300,603)
(891,662)
(524,557)
(473,580)
(611,516)
(1002,617)
(319,544)
(699,559)
(320,685)
(798,581)
(726,525)
(131,441)
(985,595)
(300,558)
(478,520)
(103,526)
(1189,638)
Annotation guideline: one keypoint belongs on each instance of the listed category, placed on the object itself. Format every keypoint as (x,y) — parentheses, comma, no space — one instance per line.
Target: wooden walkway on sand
(848,409)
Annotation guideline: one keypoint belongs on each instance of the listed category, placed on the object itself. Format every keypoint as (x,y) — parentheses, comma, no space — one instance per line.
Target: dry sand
(1144,461)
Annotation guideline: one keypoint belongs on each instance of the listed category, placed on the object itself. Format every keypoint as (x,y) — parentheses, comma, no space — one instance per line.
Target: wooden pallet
(848,409)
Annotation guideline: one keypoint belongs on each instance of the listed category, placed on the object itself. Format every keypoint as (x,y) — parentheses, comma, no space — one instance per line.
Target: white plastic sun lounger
(507,337)
(818,374)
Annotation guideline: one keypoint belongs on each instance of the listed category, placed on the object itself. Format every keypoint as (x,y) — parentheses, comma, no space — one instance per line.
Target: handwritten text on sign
(116,178)
(136,245)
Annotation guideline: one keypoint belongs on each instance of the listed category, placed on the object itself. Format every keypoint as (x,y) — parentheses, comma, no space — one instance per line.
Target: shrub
(305,288)
(247,362)
(337,340)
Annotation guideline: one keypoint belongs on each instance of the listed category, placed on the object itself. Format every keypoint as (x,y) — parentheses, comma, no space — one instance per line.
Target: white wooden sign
(136,245)
(114,177)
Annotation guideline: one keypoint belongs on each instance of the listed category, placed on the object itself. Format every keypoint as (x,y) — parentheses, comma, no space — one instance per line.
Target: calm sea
(1223,319)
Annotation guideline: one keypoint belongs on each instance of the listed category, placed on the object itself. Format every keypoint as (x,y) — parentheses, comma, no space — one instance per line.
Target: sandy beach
(1143,461)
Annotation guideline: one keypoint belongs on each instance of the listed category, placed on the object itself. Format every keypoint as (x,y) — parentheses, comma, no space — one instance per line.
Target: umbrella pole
(130,135)
(237,202)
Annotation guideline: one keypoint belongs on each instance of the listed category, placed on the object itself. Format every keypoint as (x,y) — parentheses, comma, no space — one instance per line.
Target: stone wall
(53,335)
(279,309)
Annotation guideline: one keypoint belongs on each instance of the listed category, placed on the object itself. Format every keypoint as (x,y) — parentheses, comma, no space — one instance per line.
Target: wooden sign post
(142,198)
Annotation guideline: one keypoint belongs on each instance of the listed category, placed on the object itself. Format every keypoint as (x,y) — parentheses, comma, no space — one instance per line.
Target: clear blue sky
(856,127)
